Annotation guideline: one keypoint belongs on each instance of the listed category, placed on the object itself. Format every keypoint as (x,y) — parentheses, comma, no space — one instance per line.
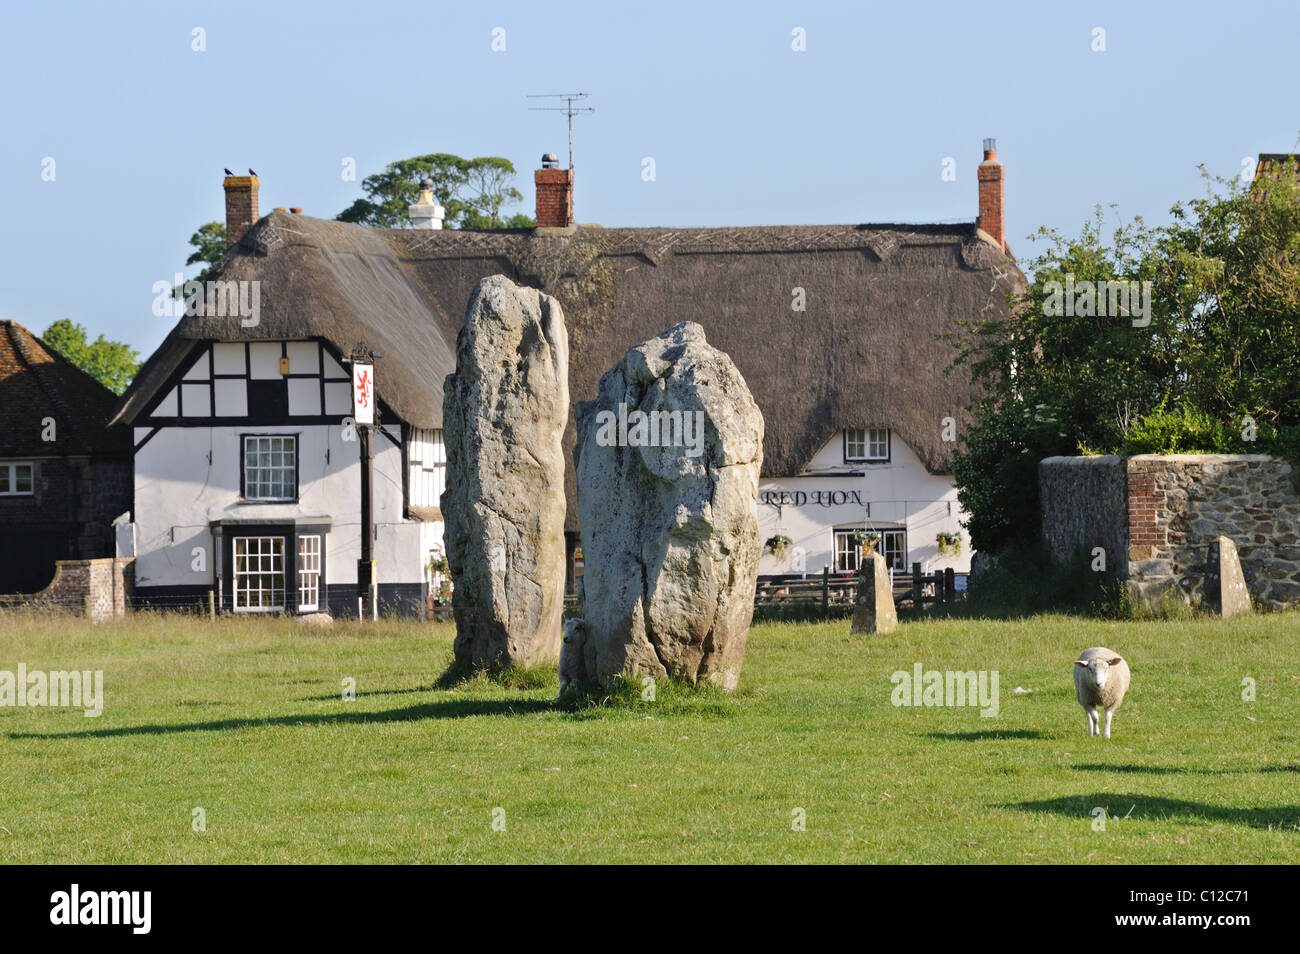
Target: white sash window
(259,574)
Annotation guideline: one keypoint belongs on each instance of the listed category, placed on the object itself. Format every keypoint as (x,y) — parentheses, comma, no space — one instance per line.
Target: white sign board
(363,393)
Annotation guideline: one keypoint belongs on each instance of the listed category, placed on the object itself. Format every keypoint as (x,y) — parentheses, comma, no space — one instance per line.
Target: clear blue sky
(743,130)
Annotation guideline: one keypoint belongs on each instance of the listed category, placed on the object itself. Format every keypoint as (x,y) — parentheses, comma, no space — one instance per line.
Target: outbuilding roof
(36,384)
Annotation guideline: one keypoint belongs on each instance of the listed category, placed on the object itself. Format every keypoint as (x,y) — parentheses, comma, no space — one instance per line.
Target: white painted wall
(902,494)
(187,477)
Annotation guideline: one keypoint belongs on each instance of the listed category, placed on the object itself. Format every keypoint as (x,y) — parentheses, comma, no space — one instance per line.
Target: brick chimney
(992,195)
(241,206)
(554,194)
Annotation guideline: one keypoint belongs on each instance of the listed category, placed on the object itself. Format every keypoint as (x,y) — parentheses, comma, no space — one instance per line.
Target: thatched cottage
(836,329)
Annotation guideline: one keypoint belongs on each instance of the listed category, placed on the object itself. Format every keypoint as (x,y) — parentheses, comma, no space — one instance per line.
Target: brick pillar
(241,206)
(992,195)
(554,198)
(1145,535)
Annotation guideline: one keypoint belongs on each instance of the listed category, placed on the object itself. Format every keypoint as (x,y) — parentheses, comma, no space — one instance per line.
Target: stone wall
(1084,506)
(98,589)
(1171,510)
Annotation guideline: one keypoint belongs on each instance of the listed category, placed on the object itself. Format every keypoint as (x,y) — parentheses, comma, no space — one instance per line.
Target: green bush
(1183,431)
(1191,431)
(997,473)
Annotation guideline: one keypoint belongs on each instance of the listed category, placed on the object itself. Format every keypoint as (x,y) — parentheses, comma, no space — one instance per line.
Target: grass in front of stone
(244,719)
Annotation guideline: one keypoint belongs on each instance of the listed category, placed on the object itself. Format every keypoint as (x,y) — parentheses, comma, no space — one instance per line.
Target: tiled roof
(37,383)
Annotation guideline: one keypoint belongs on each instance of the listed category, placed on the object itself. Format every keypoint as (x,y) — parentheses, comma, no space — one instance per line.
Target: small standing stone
(874,610)
(1225,586)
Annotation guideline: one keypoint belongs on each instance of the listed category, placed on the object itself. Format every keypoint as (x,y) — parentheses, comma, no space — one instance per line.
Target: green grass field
(245,719)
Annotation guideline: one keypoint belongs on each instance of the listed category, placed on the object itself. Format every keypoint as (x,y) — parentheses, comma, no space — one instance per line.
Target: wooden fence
(830,593)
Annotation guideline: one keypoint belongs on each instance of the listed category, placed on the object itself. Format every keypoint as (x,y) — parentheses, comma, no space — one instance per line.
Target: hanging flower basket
(868,540)
(777,545)
(948,542)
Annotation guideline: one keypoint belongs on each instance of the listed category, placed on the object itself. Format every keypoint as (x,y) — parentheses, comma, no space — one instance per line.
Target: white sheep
(573,662)
(1101,678)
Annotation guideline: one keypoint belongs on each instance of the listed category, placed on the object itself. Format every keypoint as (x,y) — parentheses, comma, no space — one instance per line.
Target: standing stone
(874,610)
(668,457)
(504,413)
(1225,586)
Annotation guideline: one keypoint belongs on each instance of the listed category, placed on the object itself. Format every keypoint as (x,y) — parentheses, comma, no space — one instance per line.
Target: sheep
(1101,678)
(573,663)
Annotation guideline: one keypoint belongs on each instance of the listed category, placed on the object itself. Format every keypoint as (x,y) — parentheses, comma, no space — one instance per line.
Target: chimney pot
(550,160)
(426,213)
(241,206)
(992,195)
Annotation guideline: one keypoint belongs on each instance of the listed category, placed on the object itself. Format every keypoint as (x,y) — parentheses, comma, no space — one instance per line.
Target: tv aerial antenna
(569,109)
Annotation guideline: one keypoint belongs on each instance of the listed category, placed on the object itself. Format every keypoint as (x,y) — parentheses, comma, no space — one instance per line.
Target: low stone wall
(1084,506)
(1160,514)
(97,589)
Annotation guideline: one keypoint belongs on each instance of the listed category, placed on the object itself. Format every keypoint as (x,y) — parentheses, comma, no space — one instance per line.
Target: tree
(1232,265)
(209,247)
(111,363)
(490,180)
(1217,342)
(473,191)
(1053,381)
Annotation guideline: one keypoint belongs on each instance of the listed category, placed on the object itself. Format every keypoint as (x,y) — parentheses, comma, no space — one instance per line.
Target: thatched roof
(864,352)
(324,279)
(36,382)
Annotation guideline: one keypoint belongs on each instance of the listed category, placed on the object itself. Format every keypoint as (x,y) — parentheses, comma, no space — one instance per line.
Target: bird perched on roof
(251,172)
(229,173)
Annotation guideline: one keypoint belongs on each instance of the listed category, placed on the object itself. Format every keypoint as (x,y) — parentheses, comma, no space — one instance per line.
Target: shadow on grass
(335,696)
(1163,770)
(458,676)
(449,709)
(986,734)
(1159,808)
(1138,769)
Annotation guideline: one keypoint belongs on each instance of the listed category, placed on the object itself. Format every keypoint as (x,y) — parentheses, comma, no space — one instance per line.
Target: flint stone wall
(1084,505)
(1156,516)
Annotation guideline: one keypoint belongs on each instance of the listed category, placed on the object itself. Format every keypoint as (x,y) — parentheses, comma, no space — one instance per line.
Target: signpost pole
(365,419)
(366,570)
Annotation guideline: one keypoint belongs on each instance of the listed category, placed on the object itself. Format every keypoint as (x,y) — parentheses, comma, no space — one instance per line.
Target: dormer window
(866,444)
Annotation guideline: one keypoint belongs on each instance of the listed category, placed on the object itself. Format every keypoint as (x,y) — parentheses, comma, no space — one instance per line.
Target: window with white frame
(309,572)
(892,545)
(270,467)
(259,574)
(17,479)
(427,457)
(847,552)
(866,443)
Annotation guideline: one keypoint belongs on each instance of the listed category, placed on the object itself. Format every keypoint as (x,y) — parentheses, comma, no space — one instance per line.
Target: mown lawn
(245,719)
